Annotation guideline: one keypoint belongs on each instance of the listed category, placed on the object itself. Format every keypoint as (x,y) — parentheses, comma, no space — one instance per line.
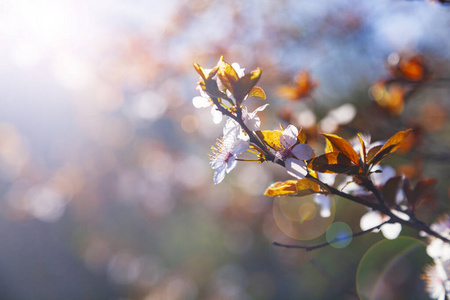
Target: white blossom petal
(252,121)
(327,178)
(239,147)
(381,178)
(288,137)
(231,164)
(391,231)
(325,203)
(370,220)
(201,102)
(296,168)
(230,125)
(303,151)
(216,115)
(219,175)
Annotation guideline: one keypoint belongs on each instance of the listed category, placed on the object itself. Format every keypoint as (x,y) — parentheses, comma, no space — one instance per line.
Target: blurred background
(106,188)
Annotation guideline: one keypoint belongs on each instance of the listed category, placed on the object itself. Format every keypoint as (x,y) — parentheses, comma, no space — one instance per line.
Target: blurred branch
(310,248)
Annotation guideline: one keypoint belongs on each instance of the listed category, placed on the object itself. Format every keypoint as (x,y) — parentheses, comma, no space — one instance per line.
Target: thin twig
(314,247)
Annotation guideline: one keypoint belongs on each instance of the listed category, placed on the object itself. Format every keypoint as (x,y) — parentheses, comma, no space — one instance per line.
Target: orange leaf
(287,92)
(343,146)
(410,68)
(257,92)
(227,75)
(281,188)
(307,187)
(390,98)
(390,146)
(362,151)
(271,138)
(301,137)
(335,163)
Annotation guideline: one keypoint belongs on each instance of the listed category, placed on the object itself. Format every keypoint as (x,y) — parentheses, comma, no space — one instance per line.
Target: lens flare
(392,269)
(339,235)
(298,217)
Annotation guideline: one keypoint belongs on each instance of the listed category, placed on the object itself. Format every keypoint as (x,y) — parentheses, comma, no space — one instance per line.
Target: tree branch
(314,247)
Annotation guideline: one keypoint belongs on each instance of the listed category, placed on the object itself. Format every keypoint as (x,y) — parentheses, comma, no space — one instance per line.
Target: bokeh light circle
(391,269)
(299,217)
(339,235)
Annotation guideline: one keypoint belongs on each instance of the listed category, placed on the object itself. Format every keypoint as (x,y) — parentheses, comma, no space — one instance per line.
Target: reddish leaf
(333,162)
(390,189)
(421,190)
(371,153)
(407,190)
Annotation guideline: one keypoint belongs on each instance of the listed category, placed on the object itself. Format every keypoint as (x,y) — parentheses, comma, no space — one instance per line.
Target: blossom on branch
(251,120)
(224,154)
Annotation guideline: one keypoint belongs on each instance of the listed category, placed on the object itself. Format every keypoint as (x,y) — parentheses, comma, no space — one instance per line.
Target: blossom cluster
(225,89)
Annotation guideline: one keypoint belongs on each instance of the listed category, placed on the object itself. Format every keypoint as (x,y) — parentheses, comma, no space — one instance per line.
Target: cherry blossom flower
(390,230)
(203,101)
(224,154)
(437,280)
(251,120)
(437,276)
(293,154)
(438,249)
